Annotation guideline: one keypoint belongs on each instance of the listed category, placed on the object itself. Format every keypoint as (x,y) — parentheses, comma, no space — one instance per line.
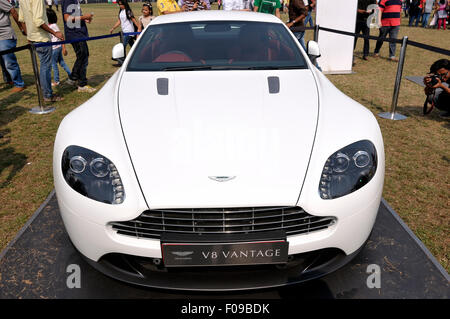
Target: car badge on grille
(182,253)
(221,178)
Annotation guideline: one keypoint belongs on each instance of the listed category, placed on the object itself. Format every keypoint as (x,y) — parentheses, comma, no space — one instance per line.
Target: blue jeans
(10,61)
(45,71)
(57,58)
(301,38)
(309,19)
(425,18)
(393,32)
(127,39)
(412,18)
(6,76)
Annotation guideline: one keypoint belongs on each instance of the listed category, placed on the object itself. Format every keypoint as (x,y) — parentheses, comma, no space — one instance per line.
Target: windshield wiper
(276,67)
(187,68)
(205,67)
(230,67)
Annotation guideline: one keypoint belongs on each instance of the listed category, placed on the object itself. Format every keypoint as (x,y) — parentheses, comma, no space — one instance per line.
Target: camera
(434,79)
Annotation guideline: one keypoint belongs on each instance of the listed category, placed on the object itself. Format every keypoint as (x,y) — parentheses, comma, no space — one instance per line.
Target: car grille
(153,223)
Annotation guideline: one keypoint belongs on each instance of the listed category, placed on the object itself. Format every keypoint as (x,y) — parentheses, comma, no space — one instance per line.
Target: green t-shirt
(267,6)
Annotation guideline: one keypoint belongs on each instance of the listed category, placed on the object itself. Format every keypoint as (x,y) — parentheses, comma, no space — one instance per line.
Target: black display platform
(34,265)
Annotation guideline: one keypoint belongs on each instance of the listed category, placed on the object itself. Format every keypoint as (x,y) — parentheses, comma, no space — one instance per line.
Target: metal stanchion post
(40,109)
(316,33)
(392,115)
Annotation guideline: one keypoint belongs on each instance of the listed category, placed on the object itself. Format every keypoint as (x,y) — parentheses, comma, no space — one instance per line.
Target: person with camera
(437,88)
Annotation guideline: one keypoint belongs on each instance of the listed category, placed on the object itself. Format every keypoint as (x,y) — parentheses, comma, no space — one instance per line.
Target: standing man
(8,40)
(390,24)
(167,6)
(33,15)
(310,5)
(427,8)
(361,24)
(297,15)
(268,6)
(75,28)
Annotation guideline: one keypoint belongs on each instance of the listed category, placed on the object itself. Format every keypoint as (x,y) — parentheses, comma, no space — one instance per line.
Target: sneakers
(17,89)
(393,59)
(87,89)
(376,55)
(54,98)
(55,83)
(71,82)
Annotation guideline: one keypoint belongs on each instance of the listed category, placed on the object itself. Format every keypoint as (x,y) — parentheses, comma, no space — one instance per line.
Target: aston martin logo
(221,178)
(182,253)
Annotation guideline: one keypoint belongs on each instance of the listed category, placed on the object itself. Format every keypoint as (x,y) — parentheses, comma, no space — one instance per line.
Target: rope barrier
(361,35)
(16,49)
(429,47)
(46,44)
(413,43)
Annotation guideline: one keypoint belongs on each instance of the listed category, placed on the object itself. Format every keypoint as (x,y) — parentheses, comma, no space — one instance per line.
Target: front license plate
(218,254)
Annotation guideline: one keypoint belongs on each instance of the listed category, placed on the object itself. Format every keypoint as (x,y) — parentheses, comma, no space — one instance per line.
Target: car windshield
(216,45)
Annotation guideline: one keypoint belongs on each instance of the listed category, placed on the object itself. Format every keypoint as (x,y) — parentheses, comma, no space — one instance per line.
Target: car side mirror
(313,50)
(118,51)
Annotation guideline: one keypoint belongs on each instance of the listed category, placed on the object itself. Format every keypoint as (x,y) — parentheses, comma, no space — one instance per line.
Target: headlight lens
(348,170)
(92,175)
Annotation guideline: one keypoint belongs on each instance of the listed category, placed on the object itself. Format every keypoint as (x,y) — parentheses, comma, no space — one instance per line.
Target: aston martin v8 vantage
(218,157)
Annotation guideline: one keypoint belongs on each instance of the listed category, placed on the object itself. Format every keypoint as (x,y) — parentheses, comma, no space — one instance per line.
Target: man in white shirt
(229,5)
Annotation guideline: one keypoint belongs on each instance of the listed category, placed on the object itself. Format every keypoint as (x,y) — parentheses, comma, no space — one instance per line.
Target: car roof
(216,15)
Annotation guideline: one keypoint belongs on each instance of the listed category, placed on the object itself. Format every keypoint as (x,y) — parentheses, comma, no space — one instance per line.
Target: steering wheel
(173,56)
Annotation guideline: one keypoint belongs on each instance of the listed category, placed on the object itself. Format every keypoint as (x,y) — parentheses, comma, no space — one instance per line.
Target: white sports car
(218,158)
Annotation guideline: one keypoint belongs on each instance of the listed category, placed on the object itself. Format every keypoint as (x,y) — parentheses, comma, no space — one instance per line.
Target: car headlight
(348,169)
(92,175)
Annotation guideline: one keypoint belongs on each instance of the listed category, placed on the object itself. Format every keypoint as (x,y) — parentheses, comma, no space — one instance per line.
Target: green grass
(417,149)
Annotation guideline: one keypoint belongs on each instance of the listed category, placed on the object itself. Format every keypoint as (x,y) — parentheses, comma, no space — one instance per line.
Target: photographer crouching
(437,88)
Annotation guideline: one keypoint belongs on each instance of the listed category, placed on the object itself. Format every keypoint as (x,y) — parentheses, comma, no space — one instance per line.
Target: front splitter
(300,268)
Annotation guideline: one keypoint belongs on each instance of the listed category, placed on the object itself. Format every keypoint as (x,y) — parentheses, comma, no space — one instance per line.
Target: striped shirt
(390,12)
(190,5)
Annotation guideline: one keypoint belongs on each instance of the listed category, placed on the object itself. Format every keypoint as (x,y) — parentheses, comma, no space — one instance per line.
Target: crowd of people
(37,21)
(420,11)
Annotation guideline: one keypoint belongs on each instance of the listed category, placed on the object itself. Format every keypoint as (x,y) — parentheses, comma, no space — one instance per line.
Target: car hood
(213,126)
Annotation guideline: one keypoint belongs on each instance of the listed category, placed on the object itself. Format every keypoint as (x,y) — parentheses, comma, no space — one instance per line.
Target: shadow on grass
(418,112)
(8,112)
(94,81)
(9,159)
(11,162)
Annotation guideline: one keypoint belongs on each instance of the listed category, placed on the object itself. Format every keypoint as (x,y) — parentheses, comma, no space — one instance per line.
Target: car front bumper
(138,260)
(300,268)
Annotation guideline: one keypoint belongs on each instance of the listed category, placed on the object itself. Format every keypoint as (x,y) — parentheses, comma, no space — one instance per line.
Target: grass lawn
(417,149)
